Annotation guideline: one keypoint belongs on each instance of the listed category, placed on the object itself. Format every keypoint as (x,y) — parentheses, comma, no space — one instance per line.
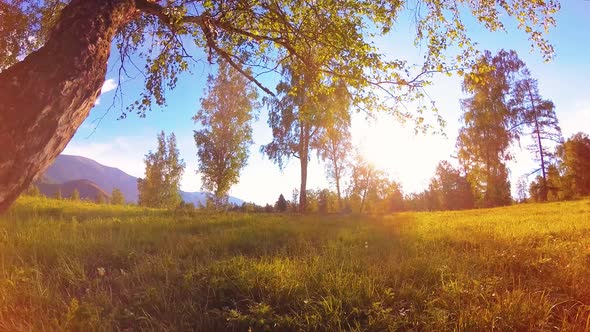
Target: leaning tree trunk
(45,97)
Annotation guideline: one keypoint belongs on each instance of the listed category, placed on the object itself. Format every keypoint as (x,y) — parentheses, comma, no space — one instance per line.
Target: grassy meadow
(86,267)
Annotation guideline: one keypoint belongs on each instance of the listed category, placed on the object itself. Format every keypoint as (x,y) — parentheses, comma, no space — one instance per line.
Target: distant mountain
(197,198)
(67,168)
(200,197)
(87,189)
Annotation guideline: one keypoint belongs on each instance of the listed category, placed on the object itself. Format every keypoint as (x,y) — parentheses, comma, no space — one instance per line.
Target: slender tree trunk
(45,97)
(303,161)
(543,172)
(544,184)
(336,176)
(367,183)
(340,207)
(303,185)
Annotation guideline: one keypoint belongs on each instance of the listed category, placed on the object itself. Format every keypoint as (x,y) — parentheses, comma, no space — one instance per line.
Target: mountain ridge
(67,168)
(86,189)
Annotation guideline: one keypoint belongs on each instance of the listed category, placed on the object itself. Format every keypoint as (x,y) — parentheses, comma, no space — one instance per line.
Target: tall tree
(163,170)
(335,146)
(65,45)
(226,132)
(295,127)
(368,185)
(575,164)
(488,117)
(451,188)
(306,107)
(538,117)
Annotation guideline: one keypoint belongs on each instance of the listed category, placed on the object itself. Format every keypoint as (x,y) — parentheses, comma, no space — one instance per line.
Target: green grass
(80,266)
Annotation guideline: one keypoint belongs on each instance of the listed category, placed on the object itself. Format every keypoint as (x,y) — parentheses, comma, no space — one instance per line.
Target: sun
(406,157)
(378,143)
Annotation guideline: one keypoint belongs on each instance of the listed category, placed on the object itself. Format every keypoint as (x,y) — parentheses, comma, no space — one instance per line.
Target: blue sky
(408,158)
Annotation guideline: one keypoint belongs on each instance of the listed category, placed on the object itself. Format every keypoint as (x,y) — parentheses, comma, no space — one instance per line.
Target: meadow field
(86,267)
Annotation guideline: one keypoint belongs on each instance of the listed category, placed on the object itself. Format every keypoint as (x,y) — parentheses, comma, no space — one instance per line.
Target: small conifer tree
(281,204)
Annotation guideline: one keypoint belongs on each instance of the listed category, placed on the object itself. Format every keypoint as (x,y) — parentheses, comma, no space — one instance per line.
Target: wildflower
(366,244)
(101,271)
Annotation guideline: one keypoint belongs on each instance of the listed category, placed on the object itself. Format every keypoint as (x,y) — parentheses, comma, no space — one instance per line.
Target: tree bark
(334,157)
(340,207)
(303,186)
(367,183)
(303,161)
(538,130)
(47,96)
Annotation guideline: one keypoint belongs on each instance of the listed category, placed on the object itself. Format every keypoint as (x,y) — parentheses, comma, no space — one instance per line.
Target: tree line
(116,197)
(54,56)
(503,106)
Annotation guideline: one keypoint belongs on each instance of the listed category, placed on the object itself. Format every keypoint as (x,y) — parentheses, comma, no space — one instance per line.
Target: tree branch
(157,10)
(227,57)
(204,21)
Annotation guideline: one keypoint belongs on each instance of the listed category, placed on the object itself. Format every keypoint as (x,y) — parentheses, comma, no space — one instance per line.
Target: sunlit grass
(80,266)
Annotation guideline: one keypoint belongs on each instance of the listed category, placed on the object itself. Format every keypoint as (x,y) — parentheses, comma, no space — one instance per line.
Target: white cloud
(108,85)
(125,153)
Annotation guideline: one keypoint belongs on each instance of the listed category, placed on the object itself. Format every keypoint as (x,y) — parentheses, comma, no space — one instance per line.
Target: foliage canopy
(328,41)
(484,140)
(332,39)
(163,170)
(226,133)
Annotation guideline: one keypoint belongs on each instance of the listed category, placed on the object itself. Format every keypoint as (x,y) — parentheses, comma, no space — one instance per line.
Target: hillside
(87,189)
(82,266)
(67,168)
